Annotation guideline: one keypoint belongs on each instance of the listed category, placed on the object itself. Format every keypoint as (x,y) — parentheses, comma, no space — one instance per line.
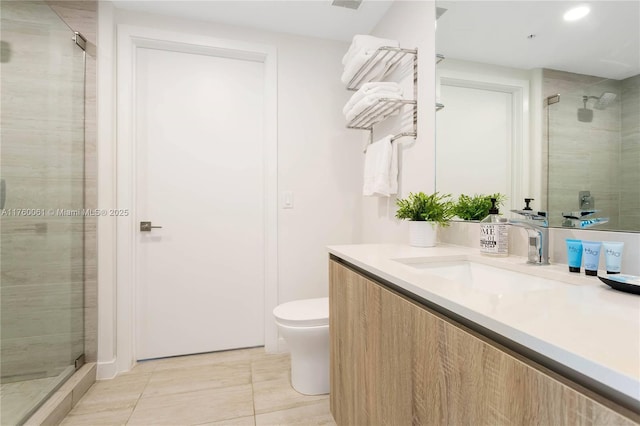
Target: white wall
(412,24)
(319,160)
(317,155)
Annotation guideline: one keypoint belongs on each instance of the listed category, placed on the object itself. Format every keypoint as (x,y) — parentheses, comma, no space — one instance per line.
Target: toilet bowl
(304,325)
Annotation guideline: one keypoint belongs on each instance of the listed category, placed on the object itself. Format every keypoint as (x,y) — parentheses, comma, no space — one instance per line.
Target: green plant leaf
(476,207)
(421,207)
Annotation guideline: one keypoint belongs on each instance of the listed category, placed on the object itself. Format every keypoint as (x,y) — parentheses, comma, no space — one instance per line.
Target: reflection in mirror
(503,129)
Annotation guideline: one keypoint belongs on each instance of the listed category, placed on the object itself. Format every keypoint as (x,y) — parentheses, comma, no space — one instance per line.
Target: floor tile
(118,395)
(222,388)
(17,398)
(240,421)
(204,359)
(276,395)
(192,408)
(141,367)
(191,379)
(113,416)
(271,367)
(316,413)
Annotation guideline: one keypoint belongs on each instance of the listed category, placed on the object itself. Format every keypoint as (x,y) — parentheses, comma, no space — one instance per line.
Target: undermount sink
(481,277)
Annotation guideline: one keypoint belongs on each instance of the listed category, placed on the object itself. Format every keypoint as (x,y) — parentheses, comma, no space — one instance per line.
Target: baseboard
(107,370)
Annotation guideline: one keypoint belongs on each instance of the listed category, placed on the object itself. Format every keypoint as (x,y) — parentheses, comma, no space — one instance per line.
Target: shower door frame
(129,38)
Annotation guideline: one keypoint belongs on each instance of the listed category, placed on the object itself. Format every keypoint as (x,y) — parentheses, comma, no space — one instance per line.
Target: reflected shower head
(604,100)
(585,114)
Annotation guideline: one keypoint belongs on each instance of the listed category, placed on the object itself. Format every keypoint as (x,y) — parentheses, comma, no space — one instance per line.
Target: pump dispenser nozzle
(493,209)
(526,202)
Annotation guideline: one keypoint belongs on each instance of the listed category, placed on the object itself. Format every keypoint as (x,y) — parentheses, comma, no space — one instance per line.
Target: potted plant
(425,213)
(476,207)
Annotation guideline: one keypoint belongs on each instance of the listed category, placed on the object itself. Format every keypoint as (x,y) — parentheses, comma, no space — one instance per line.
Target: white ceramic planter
(422,234)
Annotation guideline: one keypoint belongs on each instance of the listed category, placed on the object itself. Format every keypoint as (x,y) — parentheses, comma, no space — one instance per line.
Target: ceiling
(606,43)
(313,18)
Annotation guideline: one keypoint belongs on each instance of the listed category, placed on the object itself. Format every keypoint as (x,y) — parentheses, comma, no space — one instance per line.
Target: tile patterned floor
(18,398)
(243,387)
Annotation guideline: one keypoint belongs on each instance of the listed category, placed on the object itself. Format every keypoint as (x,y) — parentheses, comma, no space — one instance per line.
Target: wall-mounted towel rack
(391,55)
(377,112)
(386,106)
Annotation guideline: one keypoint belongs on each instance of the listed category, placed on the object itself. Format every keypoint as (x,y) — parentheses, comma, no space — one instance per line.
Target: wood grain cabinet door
(395,362)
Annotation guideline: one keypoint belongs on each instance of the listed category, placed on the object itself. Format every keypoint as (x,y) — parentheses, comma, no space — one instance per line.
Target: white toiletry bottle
(494,234)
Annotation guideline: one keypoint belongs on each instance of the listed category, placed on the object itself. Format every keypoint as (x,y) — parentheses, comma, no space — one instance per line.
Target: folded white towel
(374,72)
(378,169)
(367,101)
(381,87)
(368,43)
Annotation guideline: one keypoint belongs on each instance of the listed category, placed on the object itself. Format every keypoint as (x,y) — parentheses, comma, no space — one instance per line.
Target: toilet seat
(303,313)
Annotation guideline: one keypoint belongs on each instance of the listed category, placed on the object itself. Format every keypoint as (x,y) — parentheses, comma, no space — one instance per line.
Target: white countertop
(580,323)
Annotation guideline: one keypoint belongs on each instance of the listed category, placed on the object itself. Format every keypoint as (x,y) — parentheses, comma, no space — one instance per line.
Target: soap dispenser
(494,234)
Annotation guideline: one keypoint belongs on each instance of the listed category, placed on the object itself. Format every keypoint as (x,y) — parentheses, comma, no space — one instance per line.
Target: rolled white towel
(368,43)
(381,87)
(367,101)
(374,72)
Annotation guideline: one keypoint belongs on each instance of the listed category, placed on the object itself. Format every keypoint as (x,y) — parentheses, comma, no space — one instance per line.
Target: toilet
(304,325)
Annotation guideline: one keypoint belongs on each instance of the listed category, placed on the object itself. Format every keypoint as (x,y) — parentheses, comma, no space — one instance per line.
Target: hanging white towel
(378,169)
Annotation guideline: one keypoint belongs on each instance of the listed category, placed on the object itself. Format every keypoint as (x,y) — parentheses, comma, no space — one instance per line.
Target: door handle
(146,226)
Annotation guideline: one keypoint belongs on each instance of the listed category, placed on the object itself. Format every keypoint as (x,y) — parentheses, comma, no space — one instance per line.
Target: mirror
(503,128)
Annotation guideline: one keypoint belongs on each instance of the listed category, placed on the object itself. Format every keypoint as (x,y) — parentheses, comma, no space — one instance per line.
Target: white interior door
(199,175)
(479,123)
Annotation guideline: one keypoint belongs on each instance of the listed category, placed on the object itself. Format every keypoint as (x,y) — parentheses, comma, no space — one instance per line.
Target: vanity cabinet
(396,362)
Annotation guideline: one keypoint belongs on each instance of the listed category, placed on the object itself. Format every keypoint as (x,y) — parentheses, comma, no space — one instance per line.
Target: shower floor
(18,400)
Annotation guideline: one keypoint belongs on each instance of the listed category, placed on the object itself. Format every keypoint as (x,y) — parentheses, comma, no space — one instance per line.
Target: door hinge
(80,40)
(79,362)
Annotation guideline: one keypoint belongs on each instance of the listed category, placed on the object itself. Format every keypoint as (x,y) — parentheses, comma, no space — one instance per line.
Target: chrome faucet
(537,227)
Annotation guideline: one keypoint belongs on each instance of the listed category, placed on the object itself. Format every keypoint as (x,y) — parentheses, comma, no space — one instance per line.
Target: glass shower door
(41,222)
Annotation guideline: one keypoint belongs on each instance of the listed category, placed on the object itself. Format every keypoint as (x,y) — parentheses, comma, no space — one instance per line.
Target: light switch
(287,197)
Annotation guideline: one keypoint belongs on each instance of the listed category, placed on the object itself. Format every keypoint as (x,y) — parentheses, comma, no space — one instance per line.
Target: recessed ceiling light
(576,13)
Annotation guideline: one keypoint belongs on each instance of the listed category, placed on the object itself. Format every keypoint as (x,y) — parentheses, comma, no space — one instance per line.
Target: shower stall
(593,139)
(42,86)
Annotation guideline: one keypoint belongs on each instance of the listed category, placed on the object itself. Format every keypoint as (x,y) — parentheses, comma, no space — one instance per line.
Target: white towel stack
(369,94)
(361,49)
(381,168)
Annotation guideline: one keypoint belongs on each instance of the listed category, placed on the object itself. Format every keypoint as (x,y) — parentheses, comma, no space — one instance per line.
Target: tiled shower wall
(630,161)
(42,309)
(583,156)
